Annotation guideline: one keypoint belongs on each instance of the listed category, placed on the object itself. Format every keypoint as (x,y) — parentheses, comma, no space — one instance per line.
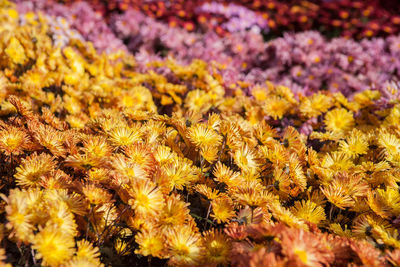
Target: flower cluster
(303,61)
(356,19)
(112,159)
(238,18)
(81,17)
(360,19)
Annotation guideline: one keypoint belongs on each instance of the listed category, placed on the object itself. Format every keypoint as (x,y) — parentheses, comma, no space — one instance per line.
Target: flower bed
(131,159)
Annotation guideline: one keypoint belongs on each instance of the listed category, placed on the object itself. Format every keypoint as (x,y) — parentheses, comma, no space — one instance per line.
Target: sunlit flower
(223,209)
(53,247)
(33,168)
(147,200)
(216,247)
(339,120)
(184,246)
(150,243)
(308,211)
(13,141)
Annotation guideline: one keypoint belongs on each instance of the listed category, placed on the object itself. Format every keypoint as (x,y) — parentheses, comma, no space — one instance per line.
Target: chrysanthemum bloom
(48,137)
(184,246)
(13,141)
(62,219)
(339,120)
(337,161)
(225,175)
(146,198)
(151,243)
(75,202)
(19,215)
(223,209)
(315,105)
(202,136)
(355,144)
(53,247)
(198,101)
(128,169)
(385,202)
(308,211)
(33,168)
(174,214)
(180,172)
(123,136)
(253,194)
(246,159)
(391,144)
(140,154)
(96,195)
(367,254)
(217,246)
(87,252)
(16,51)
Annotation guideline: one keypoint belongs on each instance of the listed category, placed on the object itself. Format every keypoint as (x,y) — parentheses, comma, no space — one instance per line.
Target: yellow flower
(315,105)
(96,147)
(95,194)
(337,196)
(223,209)
(49,137)
(198,101)
(33,80)
(19,215)
(366,97)
(225,175)
(140,154)
(337,161)
(184,246)
(61,218)
(16,51)
(206,191)
(308,211)
(87,252)
(259,93)
(210,154)
(217,247)
(338,230)
(151,243)
(253,194)
(180,173)
(129,169)
(246,159)
(174,213)
(123,136)
(355,144)
(13,141)
(385,203)
(276,107)
(339,120)
(147,200)
(33,168)
(390,143)
(202,136)
(53,247)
